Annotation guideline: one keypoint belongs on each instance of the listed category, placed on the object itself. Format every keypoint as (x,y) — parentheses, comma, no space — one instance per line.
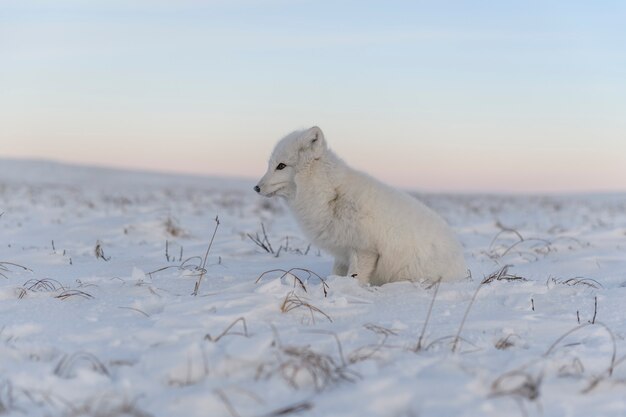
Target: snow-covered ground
(97,316)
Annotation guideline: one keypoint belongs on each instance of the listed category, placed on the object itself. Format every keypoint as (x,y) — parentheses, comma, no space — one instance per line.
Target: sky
(466,96)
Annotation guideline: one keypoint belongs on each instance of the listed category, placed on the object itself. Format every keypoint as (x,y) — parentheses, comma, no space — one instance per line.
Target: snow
(122,334)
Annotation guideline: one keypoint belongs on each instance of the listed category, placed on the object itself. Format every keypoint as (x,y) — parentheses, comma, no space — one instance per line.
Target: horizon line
(183,173)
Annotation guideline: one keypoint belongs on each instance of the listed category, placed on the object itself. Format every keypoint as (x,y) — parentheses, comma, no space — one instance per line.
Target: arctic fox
(375,233)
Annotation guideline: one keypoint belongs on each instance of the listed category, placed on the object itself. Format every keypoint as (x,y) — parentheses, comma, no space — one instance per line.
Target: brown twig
(227,330)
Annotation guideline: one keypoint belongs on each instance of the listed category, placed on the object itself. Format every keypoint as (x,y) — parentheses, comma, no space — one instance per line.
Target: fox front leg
(362,266)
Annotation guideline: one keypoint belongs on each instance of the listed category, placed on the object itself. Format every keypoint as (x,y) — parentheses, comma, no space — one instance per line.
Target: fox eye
(281,166)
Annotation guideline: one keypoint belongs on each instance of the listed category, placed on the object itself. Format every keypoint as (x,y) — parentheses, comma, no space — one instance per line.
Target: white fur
(375,232)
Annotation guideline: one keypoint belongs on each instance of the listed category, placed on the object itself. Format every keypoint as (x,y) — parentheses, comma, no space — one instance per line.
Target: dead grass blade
(296,278)
(572,282)
(226,401)
(503,275)
(292,302)
(4,267)
(505,342)
(612,363)
(504,229)
(99,252)
(173,228)
(228,332)
(184,266)
(547,244)
(107,406)
(364,353)
(43,285)
(291,409)
(455,342)
(380,329)
(73,293)
(137,310)
(517,384)
(596,380)
(334,335)
(418,347)
(295,364)
(206,255)
(262,242)
(65,367)
(453,338)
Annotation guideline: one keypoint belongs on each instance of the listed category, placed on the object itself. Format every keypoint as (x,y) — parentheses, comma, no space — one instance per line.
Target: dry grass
(136,310)
(503,230)
(518,384)
(228,404)
(68,364)
(172,258)
(73,293)
(505,342)
(107,406)
(292,301)
(53,286)
(299,365)
(99,252)
(185,265)
(613,363)
(5,267)
(228,329)
(172,227)
(577,329)
(503,275)
(43,285)
(296,279)
(291,409)
(287,248)
(206,255)
(370,351)
(262,241)
(198,268)
(39,285)
(530,247)
(419,345)
(573,282)
(522,384)
(457,338)
(596,380)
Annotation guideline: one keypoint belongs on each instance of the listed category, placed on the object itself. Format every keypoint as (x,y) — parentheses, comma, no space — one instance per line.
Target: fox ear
(314,141)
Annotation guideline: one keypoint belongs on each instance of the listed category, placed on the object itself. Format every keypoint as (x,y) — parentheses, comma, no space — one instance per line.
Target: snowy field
(97,315)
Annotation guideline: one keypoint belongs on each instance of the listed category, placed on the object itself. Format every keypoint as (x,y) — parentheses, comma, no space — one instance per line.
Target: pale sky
(441,96)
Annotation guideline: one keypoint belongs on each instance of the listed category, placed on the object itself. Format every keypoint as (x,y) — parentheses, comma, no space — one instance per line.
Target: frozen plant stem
(455,343)
(206,255)
(595,310)
(430,310)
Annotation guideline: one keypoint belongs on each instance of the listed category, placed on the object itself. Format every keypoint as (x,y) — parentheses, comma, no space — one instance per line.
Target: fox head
(291,154)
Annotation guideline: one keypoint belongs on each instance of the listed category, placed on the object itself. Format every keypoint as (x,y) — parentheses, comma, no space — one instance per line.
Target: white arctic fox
(375,232)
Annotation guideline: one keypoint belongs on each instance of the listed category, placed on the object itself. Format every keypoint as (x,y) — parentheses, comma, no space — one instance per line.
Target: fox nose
(257,188)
